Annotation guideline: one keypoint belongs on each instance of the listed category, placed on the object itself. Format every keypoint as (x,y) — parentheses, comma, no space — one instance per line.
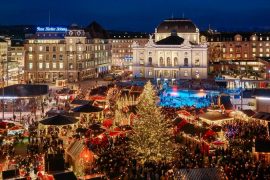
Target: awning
(58,120)
(24,91)
(87,108)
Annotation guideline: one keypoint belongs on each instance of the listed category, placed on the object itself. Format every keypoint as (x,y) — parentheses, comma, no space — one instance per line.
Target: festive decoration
(151,140)
(112,96)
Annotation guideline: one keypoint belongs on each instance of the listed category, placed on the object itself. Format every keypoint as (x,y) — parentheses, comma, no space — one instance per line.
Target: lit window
(253,55)
(40,65)
(253,49)
(40,57)
(30,65)
(61,65)
(61,49)
(267,49)
(70,48)
(40,48)
(54,65)
(30,57)
(30,48)
(185,73)
(231,49)
(266,44)
(261,49)
(245,55)
(47,65)
(267,55)
(261,55)
(224,50)
(79,48)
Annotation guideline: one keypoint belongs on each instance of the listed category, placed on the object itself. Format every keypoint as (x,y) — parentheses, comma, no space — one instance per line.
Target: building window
(253,49)
(185,61)
(197,62)
(169,62)
(261,49)
(54,49)
(175,61)
(47,48)
(30,57)
(245,55)
(47,65)
(61,49)
(161,61)
(40,65)
(30,49)
(40,48)
(40,57)
(223,50)
(70,66)
(150,60)
(30,65)
(54,57)
(79,48)
(185,74)
(150,73)
(60,57)
(54,65)
(231,49)
(61,65)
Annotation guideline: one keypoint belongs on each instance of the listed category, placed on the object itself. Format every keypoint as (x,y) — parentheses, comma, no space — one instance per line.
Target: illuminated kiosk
(14,94)
(215,118)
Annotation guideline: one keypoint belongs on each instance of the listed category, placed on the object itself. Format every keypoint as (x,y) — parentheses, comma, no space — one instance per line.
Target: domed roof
(177,25)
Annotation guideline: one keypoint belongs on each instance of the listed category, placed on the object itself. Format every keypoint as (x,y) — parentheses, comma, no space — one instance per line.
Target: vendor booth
(79,157)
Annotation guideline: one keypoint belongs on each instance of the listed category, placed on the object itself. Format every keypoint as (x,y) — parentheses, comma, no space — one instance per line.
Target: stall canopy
(58,120)
(87,108)
(81,102)
(77,149)
(24,90)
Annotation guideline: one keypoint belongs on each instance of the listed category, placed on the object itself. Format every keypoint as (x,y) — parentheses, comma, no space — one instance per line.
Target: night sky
(138,15)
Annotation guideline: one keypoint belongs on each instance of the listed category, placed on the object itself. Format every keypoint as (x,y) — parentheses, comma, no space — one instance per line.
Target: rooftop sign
(51,29)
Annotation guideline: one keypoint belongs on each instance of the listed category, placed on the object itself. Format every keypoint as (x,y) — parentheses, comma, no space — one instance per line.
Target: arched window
(175,61)
(185,61)
(197,62)
(169,62)
(150,61)
(161,61)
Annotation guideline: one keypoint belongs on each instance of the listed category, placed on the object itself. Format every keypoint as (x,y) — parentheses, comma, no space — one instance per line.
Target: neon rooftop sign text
(51,29)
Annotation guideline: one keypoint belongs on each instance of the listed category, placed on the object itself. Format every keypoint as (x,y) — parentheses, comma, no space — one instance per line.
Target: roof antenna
(49,17)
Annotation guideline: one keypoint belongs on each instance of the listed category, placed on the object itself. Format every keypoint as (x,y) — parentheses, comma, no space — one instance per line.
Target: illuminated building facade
(69,54)
(172,57)
(121,43)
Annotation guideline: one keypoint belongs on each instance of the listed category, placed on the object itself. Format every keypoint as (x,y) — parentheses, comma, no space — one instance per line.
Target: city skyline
(139,15)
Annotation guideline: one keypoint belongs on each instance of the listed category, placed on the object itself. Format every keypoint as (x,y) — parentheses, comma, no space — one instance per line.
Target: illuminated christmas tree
(151,140)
